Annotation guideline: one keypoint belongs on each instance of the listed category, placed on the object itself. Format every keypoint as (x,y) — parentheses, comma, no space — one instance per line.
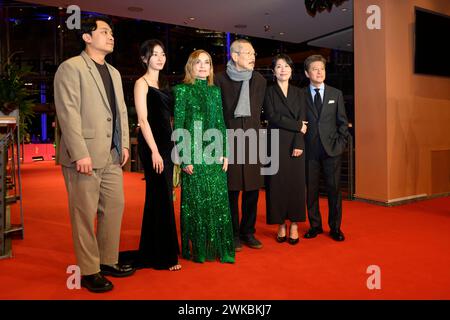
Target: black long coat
(285,191)
(245,176)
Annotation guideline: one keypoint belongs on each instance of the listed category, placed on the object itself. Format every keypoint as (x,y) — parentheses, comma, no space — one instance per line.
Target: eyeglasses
(247,53)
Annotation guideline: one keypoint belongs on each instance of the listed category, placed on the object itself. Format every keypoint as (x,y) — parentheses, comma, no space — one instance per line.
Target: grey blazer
(84,114)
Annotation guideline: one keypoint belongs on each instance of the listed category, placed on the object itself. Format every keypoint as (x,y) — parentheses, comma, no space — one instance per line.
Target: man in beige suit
(94,145)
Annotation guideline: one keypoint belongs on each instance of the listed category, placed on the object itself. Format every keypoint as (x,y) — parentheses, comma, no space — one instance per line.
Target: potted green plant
(14,96)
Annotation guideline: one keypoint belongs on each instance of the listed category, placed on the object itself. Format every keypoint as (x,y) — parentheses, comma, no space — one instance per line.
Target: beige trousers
(97,196)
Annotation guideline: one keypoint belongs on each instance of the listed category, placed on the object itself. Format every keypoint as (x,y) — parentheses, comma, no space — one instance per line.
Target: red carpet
(409,243)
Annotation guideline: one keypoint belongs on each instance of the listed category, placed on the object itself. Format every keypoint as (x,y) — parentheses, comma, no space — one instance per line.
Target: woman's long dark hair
(146,52)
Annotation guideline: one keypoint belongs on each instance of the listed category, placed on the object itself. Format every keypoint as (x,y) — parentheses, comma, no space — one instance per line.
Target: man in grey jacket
(94,143)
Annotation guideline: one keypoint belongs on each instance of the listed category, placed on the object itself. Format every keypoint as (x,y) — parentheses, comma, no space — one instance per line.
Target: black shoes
(337,235)
(281,239)
(117,270)
(312,233)
(96,283)
(290,240)
(251,241)
(293,241)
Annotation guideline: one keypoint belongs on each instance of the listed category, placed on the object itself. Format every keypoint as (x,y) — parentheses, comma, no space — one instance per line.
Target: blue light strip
(43,94)
(44,127)
(43,116)
(228,46)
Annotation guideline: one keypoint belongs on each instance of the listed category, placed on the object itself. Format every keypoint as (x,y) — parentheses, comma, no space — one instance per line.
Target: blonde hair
(189,78)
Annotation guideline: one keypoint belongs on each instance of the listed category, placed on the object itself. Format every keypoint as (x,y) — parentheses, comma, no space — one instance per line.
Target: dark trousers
(331,166)
(249,207)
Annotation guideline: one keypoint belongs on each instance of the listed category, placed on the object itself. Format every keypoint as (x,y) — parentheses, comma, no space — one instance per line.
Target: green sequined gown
(206,229)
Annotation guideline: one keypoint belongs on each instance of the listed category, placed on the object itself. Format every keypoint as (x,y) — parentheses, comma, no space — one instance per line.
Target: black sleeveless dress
(158,247)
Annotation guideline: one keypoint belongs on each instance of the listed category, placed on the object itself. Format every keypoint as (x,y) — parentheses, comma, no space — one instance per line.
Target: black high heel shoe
(282,239)
(292,240)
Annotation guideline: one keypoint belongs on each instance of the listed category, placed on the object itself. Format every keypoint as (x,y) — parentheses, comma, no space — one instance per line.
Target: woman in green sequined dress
(206,229)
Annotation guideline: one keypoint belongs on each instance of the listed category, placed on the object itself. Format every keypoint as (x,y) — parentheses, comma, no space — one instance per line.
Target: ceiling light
(281,33)
(191,18)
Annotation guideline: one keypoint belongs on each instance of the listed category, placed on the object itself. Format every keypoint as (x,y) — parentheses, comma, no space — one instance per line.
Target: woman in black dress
(158,247)
(285,191)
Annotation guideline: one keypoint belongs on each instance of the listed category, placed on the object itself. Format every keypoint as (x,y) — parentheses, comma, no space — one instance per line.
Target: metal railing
(10,185)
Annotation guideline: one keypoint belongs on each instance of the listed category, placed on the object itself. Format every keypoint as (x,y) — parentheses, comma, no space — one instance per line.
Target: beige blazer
(83,111)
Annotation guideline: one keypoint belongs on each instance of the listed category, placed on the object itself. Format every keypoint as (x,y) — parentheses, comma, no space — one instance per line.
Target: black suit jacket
(286,113)
(331,125)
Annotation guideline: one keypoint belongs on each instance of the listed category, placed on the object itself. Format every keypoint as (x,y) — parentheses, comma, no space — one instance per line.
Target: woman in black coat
(285,190)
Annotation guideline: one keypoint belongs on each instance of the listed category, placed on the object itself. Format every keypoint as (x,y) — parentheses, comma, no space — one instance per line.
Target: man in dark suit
(326,139)
(243,92)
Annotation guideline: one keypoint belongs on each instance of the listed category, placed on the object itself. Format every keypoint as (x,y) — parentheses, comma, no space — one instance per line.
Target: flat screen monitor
(432,45)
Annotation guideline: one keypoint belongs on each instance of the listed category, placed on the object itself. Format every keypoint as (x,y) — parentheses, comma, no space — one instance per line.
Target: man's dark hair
(90,24)
(314,58)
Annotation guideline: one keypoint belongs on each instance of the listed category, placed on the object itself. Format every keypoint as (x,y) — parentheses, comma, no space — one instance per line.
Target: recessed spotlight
(349,44)
(281,33)
(344,9)
(191,18)
(135,9)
